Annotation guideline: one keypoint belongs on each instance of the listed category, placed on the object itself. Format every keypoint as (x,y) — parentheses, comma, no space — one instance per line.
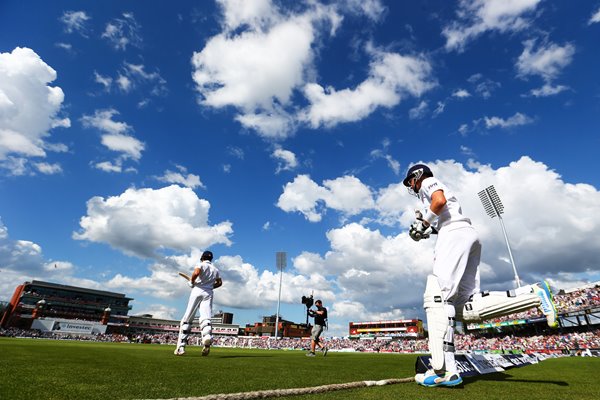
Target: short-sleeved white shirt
(451,212)
(208,275)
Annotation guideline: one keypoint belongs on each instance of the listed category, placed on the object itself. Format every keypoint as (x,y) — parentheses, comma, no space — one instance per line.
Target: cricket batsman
(452,291)
(204,279)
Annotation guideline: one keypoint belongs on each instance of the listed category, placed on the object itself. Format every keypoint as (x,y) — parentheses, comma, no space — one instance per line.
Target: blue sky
(134,135)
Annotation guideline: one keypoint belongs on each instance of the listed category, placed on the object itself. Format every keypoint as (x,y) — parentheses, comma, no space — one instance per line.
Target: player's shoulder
(432,184)
(212,266)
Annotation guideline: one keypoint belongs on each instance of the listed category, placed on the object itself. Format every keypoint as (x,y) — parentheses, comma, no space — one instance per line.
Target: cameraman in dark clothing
(320,316)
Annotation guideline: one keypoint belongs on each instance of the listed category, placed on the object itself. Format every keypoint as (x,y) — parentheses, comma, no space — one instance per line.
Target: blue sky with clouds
(134,135)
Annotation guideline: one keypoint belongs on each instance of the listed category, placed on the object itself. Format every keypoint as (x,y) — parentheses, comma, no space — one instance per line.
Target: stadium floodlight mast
(281,260)
(494,208)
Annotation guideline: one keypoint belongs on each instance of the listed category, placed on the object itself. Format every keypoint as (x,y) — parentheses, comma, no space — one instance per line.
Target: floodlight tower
(493,207)
(281,260)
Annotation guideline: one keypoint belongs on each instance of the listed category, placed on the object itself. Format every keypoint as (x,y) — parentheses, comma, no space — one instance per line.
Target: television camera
(308,301)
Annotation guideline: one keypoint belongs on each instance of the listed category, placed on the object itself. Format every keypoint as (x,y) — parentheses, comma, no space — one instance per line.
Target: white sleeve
(430,186)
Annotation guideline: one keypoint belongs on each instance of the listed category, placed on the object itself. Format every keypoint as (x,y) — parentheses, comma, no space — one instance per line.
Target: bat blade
(184,275)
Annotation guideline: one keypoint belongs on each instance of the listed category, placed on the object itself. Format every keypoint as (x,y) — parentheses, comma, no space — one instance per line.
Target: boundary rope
(263,394)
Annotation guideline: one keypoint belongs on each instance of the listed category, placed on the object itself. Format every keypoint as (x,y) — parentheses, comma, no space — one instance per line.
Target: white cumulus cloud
(76,21)
(547,61)
(23,260)
(123,32)
(419,111)
(346,194)
(244,286)
(48,168)
(143,222)
(461,93)
(595,17)
(548,90)
(256,70)
(29,107)
(392,76)
(115,134)
(383,153)
(257,14)
(287,160)
(516,120)
(263,61)
(475,17)
(181,177)
(373,9)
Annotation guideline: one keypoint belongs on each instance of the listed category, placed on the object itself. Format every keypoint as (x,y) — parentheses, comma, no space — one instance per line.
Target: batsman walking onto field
(204,279)
(452,290)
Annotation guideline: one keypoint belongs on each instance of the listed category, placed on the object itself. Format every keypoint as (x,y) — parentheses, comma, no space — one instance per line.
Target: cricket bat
(184,275)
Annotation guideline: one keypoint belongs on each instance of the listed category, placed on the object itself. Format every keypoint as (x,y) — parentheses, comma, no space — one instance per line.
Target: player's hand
(191,284)
(419,230)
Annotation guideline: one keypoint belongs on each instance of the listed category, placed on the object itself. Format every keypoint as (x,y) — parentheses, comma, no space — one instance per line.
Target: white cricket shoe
(547,306)
(205,350)
(179,351)
(433,379)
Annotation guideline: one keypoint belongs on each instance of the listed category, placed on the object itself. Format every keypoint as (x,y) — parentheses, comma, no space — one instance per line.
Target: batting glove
(419,231)
(191,284)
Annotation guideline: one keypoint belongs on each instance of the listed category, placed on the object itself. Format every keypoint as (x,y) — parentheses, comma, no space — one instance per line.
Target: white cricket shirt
(208,275)
(451,212)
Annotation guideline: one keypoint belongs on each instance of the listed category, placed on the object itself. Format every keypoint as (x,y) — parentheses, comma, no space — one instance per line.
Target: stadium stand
(578,334)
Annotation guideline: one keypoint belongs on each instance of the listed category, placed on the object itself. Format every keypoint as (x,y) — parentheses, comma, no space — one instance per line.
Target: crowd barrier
(480,364)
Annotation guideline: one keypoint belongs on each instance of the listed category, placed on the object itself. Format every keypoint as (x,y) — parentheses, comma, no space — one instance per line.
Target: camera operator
(320,316)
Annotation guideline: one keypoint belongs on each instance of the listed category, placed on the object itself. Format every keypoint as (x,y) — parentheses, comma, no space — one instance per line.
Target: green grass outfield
(47,369)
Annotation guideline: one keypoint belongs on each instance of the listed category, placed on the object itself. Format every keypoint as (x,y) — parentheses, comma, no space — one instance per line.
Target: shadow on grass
(460,386)
(499,377)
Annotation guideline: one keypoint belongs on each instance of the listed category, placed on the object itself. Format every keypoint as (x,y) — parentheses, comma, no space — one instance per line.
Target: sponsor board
(465,368)
(225,330)
(498,360)
(480,364)
(68,326)
(483,365)
(520,360)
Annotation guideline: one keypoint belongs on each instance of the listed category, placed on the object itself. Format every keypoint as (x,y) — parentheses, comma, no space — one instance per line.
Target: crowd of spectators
(558,341)
(578,299)
(36,334)
(574,300)
(465,342)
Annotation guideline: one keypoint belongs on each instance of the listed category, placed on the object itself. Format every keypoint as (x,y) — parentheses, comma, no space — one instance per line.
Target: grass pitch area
(47,369)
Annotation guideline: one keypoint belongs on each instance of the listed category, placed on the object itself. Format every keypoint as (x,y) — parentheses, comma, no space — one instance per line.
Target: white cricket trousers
(199,299)
(456,265)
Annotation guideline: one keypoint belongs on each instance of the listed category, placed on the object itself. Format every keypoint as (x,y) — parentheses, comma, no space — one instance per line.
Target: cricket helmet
(416,171)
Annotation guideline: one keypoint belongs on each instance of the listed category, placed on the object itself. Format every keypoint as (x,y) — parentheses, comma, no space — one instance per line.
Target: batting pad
(488,305)
(437,321)
(206,328)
